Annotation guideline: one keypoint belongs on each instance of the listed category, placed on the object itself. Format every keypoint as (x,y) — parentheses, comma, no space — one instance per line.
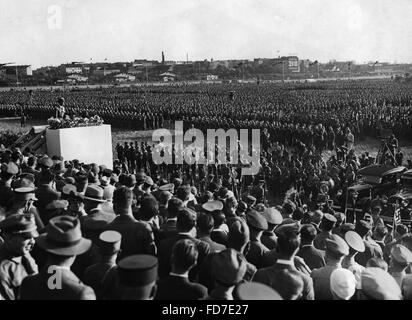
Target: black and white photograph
(192,152)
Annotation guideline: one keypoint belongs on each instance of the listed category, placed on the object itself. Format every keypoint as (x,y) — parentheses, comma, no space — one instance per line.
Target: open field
(123,135)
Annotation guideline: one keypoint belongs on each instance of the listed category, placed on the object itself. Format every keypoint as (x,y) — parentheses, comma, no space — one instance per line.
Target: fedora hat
(94,193)
(63,237)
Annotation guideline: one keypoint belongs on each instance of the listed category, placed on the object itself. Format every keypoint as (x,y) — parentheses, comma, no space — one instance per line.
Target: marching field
(123,135)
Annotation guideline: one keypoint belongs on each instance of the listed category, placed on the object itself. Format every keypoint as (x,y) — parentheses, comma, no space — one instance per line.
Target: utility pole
(147,76)
(283,70)
(317,65)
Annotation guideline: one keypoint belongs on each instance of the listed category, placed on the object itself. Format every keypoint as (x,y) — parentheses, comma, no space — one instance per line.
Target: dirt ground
(122,135)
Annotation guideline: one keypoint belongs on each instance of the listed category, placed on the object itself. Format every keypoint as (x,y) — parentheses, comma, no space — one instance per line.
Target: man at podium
(60,109)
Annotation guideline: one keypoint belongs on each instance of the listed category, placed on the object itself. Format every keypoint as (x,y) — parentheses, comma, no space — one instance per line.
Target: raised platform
(87,144)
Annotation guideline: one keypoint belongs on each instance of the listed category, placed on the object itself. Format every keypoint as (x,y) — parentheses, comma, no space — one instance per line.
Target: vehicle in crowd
(375,180)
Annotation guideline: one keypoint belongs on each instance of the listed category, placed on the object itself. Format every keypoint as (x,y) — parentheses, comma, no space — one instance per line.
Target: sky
(51,32)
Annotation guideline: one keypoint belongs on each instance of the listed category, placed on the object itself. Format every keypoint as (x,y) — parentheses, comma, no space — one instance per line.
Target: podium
(87,144)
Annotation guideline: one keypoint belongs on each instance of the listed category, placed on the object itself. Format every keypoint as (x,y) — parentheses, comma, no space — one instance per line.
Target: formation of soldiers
(319,112)
(70,230)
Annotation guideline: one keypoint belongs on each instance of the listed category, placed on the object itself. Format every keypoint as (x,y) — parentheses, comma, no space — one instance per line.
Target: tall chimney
(163,58)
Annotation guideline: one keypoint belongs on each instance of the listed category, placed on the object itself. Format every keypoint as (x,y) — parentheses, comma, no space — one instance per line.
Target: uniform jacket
(267,275)
(313,257)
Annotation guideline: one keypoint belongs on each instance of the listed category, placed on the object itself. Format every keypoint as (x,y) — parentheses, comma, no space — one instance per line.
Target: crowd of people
(312,110)
(139,230)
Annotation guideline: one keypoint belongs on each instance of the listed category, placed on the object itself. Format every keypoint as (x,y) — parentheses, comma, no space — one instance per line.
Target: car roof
(378,170)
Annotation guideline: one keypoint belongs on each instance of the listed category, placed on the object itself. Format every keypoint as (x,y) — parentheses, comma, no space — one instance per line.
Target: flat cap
(45,161)
(214,205)
(289,229)
(337,245)
(380,285)
(137,270)
(342,283)
(355,241)
(228,267)
(256,220)
(273,216)
(19,224)
(257,291)
(401,254)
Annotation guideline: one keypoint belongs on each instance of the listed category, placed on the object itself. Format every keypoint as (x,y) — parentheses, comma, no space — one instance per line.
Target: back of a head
(184,255)
(308,233)
(288,243)
(239,234)
(377,263)
(288,283)
(46,177)
(174,206)
(183,192)
(205,223)
(149,207)
(219,218)
(186,220)
(122,199)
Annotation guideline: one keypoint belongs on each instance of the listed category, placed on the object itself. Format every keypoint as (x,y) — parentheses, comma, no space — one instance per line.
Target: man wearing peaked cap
(327,224)
(274,218)
(62,241)
(228,268)
(372,249)
(282,275)
(336,249)
(257,291)
(400,259)
(377,284)
(137,276)
(100,274)
(356,245)
(257,224)
(16,263)
(342,284)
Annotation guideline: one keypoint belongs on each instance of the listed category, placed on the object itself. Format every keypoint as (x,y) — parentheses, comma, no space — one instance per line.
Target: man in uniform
(97,274)
(257,224)
(336,250)
(136,277)
(16,263)
(278,276)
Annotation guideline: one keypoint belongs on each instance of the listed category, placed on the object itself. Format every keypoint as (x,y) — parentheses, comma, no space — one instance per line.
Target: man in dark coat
(62,241)
(313,257)
(176,286)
